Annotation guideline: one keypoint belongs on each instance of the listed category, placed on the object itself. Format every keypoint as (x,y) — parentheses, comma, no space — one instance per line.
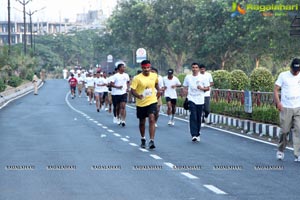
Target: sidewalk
(13,93)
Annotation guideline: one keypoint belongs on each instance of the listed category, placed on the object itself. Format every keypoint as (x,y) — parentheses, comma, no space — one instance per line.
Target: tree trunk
(256,62)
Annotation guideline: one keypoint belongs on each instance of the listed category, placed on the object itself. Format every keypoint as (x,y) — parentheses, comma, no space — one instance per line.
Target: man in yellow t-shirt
(145,88)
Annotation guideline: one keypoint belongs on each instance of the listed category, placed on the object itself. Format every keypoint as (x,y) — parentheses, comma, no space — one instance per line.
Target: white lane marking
(125,140)
(127,136)
(170,165)
(214,189)
(143,150)
(116,134)
(133,144)
(99,124)
(191,176)
(109,130)
(155,157)
(103,135)
(105,127)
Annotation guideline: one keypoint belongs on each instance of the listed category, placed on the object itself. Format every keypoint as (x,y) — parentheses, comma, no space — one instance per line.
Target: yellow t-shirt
(145,85)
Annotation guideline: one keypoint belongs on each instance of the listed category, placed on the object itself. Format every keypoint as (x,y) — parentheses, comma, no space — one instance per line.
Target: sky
(54,10)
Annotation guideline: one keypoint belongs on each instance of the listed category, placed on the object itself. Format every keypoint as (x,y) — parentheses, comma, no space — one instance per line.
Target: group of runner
(111,92)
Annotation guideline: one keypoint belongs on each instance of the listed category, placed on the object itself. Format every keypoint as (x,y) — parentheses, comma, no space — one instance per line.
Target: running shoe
(297,159)
(143,143)
(115,120)
(151,144)
(173,123)
(123,123)
(279,155)
(170,122)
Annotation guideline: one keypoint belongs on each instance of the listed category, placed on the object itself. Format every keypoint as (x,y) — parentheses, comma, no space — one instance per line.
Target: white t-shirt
(290,89)
(89,82)
(160,82)
(168,83)
(80,79)
(105,89)
(100,81)
(192,82)
(120,80)
(209,78)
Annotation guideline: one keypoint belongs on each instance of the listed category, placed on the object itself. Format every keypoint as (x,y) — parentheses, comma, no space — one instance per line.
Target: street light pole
(30,22)
(9,41)
(24,3)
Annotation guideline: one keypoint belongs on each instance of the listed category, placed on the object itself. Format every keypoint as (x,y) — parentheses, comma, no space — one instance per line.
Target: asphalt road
(55,147)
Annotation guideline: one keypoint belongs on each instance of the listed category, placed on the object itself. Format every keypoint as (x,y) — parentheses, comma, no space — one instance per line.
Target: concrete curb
(248,126)
(7,96)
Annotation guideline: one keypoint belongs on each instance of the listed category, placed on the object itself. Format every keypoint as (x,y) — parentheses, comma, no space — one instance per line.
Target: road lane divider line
(133,144)
(111,131)
(169,165)
(125,140)
(214,189)
(155,157)
(189,175)
(143,150)
(117,135)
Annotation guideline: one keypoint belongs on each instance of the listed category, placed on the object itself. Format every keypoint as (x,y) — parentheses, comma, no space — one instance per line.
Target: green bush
(265,114)
(261,80)
(2,85)
(29,75)
(239,80)
(222,79)
(181,77)
(14,81)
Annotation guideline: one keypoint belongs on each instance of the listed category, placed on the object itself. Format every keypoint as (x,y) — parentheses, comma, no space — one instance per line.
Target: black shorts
(105,94)
(73,88)
(119,98)
(173,101)
(144,112)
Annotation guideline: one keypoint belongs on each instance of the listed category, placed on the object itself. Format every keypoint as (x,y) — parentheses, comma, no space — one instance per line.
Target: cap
(295,64)
(170,71)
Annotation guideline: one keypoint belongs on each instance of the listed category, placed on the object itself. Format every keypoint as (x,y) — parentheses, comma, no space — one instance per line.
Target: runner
(171,82)
(161,90)
(100,86)
(80,83)
(89,82)
(73,82)
(143,87)
(120,81)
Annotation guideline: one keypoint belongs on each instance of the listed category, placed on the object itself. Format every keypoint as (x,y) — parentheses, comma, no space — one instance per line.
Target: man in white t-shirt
(170,83)
(289,107)
(100,87)
(206,107)
(65,73)
(80,83)
(120,83)
(161,89)
(89,83)
(196,85)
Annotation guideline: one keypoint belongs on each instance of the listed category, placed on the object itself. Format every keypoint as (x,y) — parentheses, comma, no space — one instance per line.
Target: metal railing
(258,98)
